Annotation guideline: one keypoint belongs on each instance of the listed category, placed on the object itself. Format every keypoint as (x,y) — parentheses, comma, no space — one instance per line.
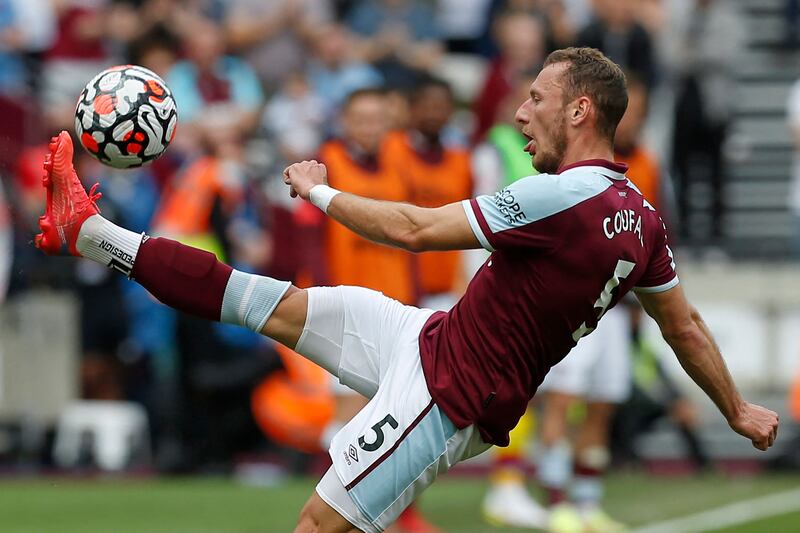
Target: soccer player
(444,386)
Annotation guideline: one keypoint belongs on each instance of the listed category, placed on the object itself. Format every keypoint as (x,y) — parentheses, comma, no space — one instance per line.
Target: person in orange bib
(436,174)
(358,163)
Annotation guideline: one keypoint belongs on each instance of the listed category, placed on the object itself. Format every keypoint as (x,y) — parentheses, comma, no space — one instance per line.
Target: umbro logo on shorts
(351,453)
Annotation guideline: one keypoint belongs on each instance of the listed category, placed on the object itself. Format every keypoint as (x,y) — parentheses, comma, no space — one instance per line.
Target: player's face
(543,121)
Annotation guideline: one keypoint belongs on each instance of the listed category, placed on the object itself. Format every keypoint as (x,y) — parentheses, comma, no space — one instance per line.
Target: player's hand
(758,424)
(301,177)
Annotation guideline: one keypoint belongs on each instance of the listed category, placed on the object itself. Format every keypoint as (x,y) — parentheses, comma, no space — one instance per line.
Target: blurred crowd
(405,100)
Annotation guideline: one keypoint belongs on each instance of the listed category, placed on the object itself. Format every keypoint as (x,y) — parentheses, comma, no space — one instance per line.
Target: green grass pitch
(217,505)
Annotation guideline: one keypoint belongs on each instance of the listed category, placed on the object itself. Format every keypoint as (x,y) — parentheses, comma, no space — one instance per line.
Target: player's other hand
(757,423)
(301,177)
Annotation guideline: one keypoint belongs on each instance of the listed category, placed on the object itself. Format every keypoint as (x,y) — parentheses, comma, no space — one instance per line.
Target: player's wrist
(321,196)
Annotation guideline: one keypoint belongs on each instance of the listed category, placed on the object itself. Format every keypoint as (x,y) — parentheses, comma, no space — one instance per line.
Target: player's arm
(686,332)
(394,223)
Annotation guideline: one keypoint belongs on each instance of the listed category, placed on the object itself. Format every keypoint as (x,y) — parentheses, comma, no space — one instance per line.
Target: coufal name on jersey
(622,221)
(509,207)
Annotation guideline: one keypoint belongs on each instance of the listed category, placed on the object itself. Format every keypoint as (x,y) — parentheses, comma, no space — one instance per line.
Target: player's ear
(579,110)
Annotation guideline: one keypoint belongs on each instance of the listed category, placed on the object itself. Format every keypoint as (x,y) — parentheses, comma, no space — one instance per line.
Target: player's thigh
(609,379)
(395,447)
(359,329)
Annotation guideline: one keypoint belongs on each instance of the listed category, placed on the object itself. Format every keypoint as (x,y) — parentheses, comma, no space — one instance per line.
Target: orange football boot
(68,205)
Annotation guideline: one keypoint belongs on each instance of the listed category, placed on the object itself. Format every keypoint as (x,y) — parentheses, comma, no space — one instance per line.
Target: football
(126,116)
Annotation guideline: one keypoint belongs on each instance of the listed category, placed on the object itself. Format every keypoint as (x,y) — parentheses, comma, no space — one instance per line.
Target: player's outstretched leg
(180,276)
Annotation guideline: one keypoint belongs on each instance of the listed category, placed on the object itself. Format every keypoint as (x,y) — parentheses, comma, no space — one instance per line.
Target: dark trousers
(636,417)
(697,156)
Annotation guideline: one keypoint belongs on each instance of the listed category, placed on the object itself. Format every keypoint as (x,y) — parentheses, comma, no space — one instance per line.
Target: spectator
(399,36)
(334,72)
(462,23)
(25,26)
(132,20)
(437,174)
(295,120)
(561,18)
(616,32)
(273,35)
(520,37)
(357,163)
(219,96)
(156,49)
(76,56)
(706,41)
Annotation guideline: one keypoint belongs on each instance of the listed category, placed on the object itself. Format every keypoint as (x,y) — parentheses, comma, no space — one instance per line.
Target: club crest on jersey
(509,207)
(622,221)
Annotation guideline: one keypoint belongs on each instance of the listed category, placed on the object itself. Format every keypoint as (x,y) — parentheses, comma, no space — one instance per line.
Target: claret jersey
(565,248)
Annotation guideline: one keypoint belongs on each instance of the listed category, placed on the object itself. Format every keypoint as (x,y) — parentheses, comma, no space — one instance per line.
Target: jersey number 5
(378,429)
(621,271)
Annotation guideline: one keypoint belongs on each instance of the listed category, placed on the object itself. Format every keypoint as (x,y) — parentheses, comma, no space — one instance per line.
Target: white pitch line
(729,515)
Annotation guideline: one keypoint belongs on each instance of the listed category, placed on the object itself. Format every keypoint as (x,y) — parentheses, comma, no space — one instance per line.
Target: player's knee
(295,297)
(285,323)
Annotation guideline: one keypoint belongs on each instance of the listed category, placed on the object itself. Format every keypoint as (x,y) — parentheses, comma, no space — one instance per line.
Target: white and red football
(126,116)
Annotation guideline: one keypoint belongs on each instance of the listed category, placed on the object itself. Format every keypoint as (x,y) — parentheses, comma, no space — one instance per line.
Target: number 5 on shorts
(377,428)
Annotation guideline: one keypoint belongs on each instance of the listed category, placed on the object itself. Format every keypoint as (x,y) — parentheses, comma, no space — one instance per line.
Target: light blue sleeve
(527,201)
(182,81)
(247,91)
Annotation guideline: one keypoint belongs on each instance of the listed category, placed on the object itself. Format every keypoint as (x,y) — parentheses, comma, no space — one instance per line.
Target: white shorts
(400,442)
(599,367)
(436,302)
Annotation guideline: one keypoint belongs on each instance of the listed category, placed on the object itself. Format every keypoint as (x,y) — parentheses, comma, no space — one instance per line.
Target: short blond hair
(590,73)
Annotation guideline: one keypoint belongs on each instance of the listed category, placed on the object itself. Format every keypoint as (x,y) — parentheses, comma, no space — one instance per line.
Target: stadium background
(69,331)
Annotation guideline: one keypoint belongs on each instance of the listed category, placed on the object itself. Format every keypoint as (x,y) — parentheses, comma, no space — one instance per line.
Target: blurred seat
(116,435)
